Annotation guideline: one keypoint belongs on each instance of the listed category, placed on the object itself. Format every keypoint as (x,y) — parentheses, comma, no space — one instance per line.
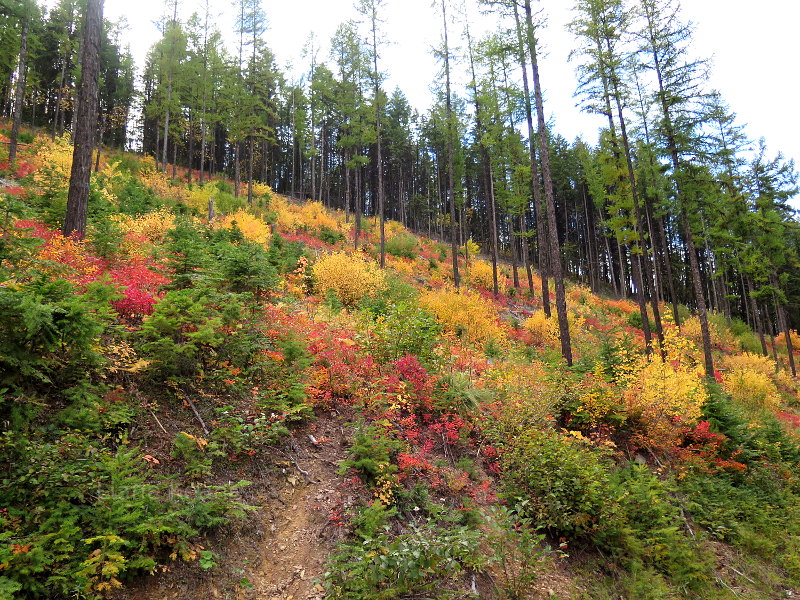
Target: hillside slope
(248,408)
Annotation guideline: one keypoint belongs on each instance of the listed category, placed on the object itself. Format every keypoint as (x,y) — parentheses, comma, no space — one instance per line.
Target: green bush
(425,562)
(330,236)
(79,516)
(644,528)
(563,481)
(50,334)
(403,245)
(135,198)
(370,455)
(405,329)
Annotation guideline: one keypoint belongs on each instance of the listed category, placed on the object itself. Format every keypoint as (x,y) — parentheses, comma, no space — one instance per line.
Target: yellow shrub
(253,228)
(750,389)
(466,314)
(198,197)
(780,341)
(351,277)
(544,331)
(721,336)
(162,187)
(261,190)
(526,396)
(666,397)
(752,362)
(55,158)
(314,216)
(480,274)
(287,215)
(150,227)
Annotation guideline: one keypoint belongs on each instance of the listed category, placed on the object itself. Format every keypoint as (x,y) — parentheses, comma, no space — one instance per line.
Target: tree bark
(78,196)
(555,255)
(19,94)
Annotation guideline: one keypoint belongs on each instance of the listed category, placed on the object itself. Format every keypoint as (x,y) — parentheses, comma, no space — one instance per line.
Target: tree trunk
(542,241)
(78,196)
(19,94)
(450,182)
(555,254)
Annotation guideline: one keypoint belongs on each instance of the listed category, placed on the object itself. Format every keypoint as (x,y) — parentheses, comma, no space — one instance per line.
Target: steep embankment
(248,408)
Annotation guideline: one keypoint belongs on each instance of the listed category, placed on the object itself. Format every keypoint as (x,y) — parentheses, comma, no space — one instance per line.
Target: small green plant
(207,560)
(371,454)
(405,329)
(195,453)
(425,562)
(516,546)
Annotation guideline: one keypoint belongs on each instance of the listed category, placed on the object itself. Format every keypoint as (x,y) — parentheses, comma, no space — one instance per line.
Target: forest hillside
(249,406)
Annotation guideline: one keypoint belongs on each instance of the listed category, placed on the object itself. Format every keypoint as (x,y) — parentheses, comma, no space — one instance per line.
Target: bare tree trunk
(78,196)
(543,242)
(450,182)
(19,94)
(555,254)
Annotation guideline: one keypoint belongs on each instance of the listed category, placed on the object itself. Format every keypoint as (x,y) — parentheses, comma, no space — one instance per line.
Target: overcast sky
(753,45)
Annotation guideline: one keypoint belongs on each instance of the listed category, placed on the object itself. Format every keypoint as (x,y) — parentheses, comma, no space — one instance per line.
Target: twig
(722,582)
(157,421)
(196,414)
(741,574)
(305,474)
(685,520)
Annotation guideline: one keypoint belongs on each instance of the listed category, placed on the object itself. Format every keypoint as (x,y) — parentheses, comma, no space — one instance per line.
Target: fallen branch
(157,421)
(197,414)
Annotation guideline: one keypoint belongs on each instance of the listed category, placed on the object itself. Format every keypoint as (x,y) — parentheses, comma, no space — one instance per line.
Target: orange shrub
(780,341)
(350,276)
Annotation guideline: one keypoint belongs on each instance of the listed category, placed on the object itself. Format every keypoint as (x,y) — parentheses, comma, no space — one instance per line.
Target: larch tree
(664,44)
(370,10)
(555,248)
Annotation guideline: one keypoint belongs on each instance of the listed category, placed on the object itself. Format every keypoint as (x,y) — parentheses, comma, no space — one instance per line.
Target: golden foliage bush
(666,397)
(721,336)
(465,314)
(198,197)
(544,331)
(55,158)
(351,277)
(150,227)
(480,274)
(669,393)
(287,216)
(752,362)
(252,227)
(525,396)
(751,389)
(314,216)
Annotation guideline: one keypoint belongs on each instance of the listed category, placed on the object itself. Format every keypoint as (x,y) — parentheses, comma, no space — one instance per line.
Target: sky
(753,47)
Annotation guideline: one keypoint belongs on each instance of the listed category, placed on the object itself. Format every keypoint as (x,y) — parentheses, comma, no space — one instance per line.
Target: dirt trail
(281,551)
